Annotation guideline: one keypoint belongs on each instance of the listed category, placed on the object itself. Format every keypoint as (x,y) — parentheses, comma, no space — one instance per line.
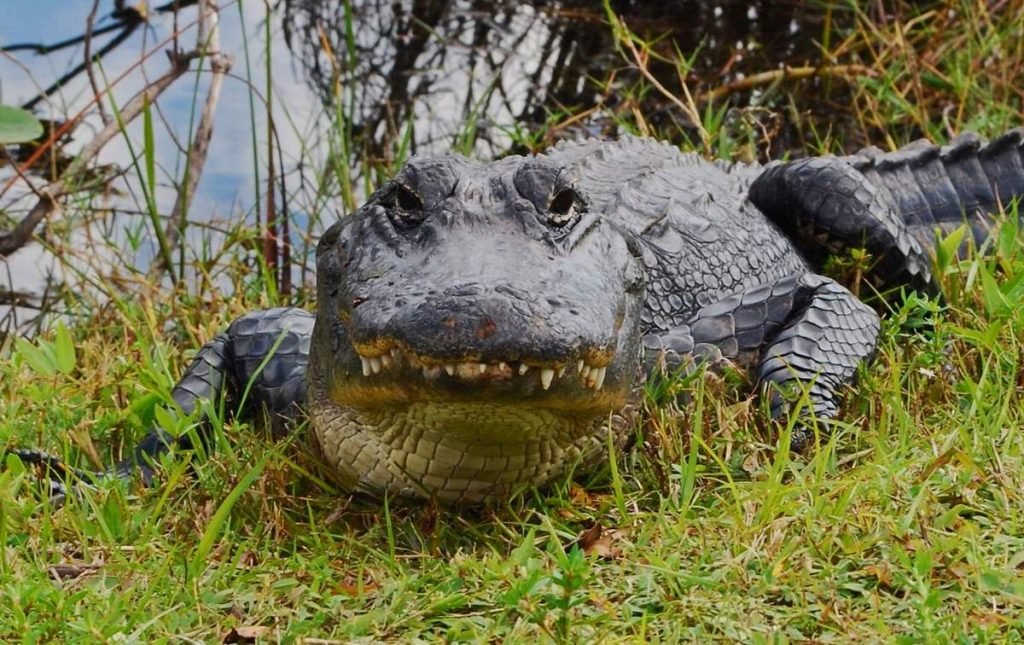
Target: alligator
(485,327)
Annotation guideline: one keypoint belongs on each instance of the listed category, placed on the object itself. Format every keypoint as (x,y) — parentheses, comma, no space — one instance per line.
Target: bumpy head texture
(477,327)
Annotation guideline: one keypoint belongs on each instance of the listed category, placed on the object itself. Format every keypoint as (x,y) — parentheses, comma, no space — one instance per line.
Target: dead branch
(208,41)
(688,107)
(110,46)
(127,20)
(772,77)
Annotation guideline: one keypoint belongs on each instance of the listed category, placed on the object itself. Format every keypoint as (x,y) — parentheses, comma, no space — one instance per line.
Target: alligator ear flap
(426,182)
(535,180)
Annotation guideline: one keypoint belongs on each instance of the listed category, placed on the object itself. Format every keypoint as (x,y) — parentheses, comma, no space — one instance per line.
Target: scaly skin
(485,327)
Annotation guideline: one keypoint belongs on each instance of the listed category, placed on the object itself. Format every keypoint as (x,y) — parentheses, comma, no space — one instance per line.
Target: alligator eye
(562,207)
(407,199)
(405,207)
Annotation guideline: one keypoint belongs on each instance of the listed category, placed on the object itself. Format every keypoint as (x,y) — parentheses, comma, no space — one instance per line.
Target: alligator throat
(466,451)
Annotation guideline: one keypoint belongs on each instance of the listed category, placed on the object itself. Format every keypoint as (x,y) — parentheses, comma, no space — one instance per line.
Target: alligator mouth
(589,369)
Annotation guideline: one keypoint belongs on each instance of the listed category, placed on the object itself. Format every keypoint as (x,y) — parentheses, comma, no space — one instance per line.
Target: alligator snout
(472,324)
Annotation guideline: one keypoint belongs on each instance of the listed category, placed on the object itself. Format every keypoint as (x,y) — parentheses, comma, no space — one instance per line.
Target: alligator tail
(940,188)
(204,380)
(266,350)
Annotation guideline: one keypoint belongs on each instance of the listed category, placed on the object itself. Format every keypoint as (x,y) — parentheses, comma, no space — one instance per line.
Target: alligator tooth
(522,368)
(546,376)
(561,372)
(394,353)
(482,367)
(375,365)
(385,360)
(579,366)
(598,375)
(586,372)
(502,365)
(366,366)
(450,368)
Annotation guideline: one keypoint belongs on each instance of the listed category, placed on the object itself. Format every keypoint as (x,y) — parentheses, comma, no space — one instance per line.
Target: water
(463,74)
(525,65)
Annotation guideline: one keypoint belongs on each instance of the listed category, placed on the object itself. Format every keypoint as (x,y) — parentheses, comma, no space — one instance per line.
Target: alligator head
(477,328)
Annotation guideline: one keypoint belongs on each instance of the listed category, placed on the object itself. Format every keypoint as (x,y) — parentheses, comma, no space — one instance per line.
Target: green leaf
(164,419)
(37,359)
(521,554)
(996,303)
(149,152)
(18,126)
(64,350)
(145,406)
(220,518)
(947,248)
(1008,240)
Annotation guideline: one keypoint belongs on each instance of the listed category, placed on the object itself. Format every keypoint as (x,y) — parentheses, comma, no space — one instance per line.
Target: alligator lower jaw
(396,395)
(461,442)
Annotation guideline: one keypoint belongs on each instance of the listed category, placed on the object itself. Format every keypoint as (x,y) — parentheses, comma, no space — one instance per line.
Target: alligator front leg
(805,331)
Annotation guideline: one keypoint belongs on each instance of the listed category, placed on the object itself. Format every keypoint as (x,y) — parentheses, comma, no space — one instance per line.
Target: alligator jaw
(395,377)
(590,368)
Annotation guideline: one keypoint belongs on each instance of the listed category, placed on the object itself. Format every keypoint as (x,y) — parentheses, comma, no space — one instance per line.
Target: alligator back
(701,238)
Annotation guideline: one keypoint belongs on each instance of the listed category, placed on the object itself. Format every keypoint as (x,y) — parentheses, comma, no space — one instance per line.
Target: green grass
(906,525)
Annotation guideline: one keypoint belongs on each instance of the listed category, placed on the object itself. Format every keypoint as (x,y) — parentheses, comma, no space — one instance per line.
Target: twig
(126,32)
(785,74)
(72,121)
(122,16)
(127,19)
(87,55)
(14,239)
(40,48)
(208,42)
(688,108)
